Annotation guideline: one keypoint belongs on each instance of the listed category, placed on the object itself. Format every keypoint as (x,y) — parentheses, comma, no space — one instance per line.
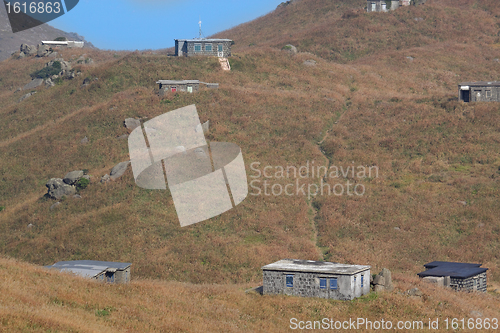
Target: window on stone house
(322,283)
(197,47)
(362,278)
(289,281)
(208,47)
(333,284)
(488,93)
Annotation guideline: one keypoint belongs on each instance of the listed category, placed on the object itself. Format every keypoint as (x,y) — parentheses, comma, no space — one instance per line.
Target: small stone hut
(458,276)
(382,5)
(309,278)
(183,85)
(112,272)
(203,47)
(479,91)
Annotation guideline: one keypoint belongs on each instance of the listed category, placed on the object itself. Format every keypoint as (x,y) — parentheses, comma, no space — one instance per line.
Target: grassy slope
(33,299)
(381,109)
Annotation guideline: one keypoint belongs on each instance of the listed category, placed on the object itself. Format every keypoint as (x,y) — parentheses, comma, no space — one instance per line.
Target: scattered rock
(33,84)
(21,55)
(410,58)
(86,82)
(77,196)
(105,178)
(122,137)
(476,314)
(30,225)
(290,48)
(18,89)
(72,177)
(89,61)
(480,225)
(86,177)
(462,203)
(418,19)
(49,83)
(397,228)
(132,123)
(383,281)
(84,141)
(309,63)
(414,292)
(57,188)
(255,291)
(27,95)
(496,59)
(54,206)
(118,170)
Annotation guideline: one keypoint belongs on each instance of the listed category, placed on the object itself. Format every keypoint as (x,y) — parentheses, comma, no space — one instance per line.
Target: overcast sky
(154,24)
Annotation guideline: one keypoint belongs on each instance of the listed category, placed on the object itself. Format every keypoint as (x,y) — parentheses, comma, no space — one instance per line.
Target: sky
(154,24)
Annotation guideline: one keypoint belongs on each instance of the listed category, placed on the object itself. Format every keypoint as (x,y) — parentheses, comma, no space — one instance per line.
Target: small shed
(68,43)
(203,47)
(382,5)
(308,278)
(189,86)
(105,271)
(479,91)
(459,276)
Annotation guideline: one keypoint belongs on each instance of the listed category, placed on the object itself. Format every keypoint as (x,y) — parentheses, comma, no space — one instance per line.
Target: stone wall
(468,284)
(479,94)
(307,284)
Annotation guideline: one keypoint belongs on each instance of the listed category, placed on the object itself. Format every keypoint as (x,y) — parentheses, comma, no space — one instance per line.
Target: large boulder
(27,96)
(118,170)
(43,51)
(290,48)
(33,84)
(73,177)
(57,188)
(65,66)
(28,50)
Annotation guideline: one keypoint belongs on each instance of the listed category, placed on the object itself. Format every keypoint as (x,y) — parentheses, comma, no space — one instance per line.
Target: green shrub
(48,71)
(2,208)
(82,184)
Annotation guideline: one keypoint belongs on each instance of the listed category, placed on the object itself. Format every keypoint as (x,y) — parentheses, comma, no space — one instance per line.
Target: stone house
(112,272)
(382,5)
(459,276)
(479,91)
(183,85)
(309,278)
(203,47)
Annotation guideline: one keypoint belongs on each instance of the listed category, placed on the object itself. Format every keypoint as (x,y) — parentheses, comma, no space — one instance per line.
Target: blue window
(362,278)
(322,283)
(289,281)
(197,47)
(219,47)
(333,284)
(208,47)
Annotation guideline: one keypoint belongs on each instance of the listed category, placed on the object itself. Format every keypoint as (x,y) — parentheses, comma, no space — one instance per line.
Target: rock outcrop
(383,281)
(57,189)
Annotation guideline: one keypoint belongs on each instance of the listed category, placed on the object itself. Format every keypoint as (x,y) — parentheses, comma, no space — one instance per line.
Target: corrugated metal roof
(211,40)
(481,84)
(178,81)
(89,268)
(453,269)
(295,265)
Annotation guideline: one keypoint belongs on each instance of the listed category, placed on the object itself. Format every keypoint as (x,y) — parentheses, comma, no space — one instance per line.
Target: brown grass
(364,102)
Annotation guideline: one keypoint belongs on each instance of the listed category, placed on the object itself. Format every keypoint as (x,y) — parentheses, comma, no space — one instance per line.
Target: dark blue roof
(456,270)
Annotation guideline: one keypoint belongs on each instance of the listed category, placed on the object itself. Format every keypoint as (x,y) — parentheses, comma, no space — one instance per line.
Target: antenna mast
(200,27)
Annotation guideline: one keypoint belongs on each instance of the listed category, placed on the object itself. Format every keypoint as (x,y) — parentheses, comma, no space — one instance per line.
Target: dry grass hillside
(381,94)
(33,299)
